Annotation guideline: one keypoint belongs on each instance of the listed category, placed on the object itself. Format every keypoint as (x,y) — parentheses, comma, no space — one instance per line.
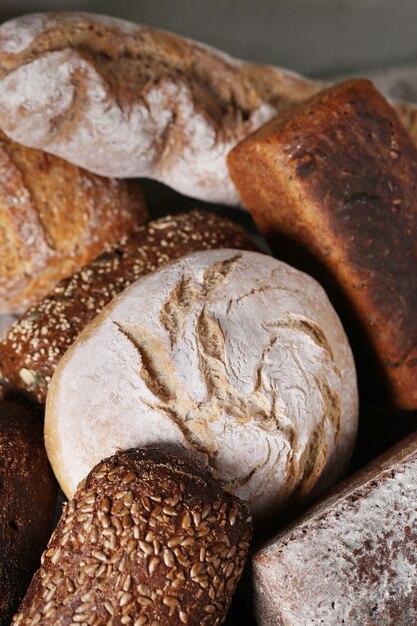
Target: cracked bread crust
(147,539)
(233,357)
(126,100)
(54,217)
(30,350)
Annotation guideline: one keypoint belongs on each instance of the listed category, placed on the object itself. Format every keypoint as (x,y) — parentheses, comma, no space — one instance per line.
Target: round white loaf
(234,357)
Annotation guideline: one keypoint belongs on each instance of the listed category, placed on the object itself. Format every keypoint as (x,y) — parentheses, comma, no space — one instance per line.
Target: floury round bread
(232,356)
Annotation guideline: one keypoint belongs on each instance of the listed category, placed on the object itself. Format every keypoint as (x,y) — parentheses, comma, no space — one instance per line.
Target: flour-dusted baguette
(31,348)
(336,176)
(230,355)
(28,493)
(147,539)
(54,217)
(352,559)
(126,100)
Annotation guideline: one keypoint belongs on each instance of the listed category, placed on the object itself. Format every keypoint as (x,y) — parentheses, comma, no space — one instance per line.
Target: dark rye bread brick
(352,559)
(336,176)
(33,346)
(27,503)
(148,539)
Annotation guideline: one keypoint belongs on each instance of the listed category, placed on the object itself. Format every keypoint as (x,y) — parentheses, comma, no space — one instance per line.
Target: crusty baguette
(31,348)
(28,493)
(126,100)
(147,539)
(336,177)
(54,218)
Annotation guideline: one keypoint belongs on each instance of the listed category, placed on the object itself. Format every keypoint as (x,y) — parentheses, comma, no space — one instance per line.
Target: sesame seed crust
(147,540)
(33,346)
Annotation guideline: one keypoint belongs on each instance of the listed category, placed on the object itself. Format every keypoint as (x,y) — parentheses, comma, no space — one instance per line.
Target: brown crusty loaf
(147,539)
(337,176)
(122,99)
(54,217)
(352,558)
(27,503)
(32,347)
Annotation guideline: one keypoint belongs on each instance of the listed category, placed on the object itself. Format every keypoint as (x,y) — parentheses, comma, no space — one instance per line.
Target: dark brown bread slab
(148,536)
(352,559)
(54,218)
(337,175)
(27,503)
(32,347)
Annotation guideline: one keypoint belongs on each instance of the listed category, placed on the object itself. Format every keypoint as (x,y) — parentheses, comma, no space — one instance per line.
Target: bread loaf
(337,176)
(231,356)
(54,217)
(126,100)
(352,558)
(32,347)
(27,503)
(147,539)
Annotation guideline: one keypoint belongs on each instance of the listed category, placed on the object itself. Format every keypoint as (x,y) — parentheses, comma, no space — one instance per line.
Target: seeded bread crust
(335,179)
(148,536)
(27,503)
(33,346)
(54,217)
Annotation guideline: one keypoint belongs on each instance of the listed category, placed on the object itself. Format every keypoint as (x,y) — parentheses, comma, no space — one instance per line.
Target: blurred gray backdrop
(316,37)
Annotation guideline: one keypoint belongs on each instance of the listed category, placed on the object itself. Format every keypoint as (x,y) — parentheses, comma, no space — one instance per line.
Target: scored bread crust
(54,217)
(30,350)
(232,356)
(126,100)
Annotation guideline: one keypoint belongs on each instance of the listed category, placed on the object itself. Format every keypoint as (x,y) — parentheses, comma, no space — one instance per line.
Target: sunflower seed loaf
(147,539)
(31,349)
(27,503)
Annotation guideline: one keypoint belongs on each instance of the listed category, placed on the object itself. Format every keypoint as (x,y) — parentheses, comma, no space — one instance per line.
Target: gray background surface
(317,37)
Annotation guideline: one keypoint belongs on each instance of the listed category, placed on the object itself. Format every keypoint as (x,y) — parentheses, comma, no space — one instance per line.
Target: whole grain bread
(122,99)
(352,558)
(27,503)
(335,178)
(31,348)
(147,539)
(54,218)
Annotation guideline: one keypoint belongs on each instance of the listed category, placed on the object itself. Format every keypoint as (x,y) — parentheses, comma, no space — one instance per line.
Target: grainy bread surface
(32,347)
(27,503)
(54,217)
(147,539)
(336,176)
(351,559)
(229,355)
